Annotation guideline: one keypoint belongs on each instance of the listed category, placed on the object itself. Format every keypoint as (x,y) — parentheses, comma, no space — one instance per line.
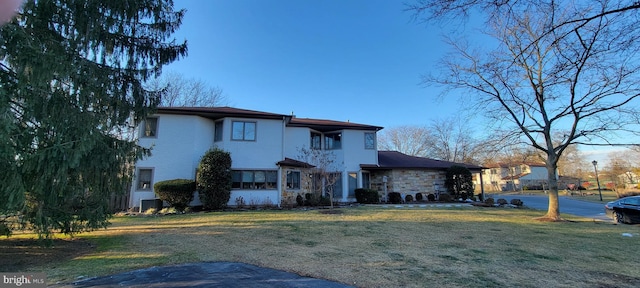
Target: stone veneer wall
(408,181)
(288,197)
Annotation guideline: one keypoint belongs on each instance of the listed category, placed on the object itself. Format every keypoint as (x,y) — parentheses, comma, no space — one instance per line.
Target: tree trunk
(553,212)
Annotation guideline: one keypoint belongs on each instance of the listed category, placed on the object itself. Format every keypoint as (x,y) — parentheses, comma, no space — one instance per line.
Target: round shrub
(444,197)
(502,201)
(489,201)
(516,202)
(299,200)
(431,197)
(408,198)
(395,198)
(419,197)
(214,179)
(367,196)
(177,192)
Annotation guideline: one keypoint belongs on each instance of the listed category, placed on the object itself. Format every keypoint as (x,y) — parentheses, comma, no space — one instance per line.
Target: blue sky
(358,60)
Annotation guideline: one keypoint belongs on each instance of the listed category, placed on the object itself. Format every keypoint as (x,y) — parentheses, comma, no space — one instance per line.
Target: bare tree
(453,141)
(179,91)
(324,176)
(560,66)
(410,140)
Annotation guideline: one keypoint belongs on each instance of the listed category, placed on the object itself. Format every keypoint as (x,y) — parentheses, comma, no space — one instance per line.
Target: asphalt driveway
(568,205)
(206,274)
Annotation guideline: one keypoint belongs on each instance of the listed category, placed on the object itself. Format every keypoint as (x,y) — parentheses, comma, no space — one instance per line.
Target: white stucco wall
(176,151)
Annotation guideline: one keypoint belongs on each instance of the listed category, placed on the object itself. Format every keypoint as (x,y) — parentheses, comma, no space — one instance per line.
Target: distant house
(268,165)
(515,177)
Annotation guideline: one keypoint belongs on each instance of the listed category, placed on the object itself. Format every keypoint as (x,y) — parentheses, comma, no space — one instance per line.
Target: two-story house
(267,151)
(515,176)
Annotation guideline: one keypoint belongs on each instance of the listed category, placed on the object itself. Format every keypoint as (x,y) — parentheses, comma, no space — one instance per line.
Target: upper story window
(316,139)
(333,141)
(150,127)
(243,131)
(217,133)
(369,141)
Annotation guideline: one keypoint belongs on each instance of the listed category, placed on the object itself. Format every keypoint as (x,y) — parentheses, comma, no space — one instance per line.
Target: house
(398,172)
(515,176)
(265,150)
(275,157)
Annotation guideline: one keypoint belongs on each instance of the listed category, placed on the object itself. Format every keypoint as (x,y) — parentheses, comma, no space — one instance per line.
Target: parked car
(625,210)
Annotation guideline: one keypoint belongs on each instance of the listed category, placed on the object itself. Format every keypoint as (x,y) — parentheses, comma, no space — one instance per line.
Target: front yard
(371,246)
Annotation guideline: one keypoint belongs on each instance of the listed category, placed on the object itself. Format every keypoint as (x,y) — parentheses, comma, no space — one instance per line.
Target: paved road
(568,205)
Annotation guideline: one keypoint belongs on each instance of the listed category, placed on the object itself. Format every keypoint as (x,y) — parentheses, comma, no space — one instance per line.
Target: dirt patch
(18,255)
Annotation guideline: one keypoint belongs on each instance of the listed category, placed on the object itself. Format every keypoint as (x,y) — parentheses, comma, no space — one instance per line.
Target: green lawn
(373,246)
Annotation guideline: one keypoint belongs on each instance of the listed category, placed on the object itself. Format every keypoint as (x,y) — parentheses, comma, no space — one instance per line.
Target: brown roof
(219,112)
(396,160)
(215,113)
(329,125)
(294,163)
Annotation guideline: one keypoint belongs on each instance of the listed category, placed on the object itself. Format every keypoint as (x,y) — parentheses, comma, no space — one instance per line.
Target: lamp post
(595,167)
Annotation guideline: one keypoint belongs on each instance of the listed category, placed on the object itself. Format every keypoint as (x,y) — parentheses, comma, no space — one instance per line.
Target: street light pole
(595,167)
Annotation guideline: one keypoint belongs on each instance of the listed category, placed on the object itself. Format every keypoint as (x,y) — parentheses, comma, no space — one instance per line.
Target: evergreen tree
(71,79)
(214,179)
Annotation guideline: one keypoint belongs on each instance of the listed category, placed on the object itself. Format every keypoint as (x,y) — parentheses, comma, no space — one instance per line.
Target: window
(254,180)
(315,141)
(243,131)
(150,126)
(369,141)
(145,178)
(333,141)
(293,179)
(217,133)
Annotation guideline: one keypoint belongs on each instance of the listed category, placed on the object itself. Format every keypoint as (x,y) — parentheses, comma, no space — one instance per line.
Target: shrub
(177,192)
(408,198)
(418,196)
(316,200)
(489,201)
(431,197)
(395,198)
(516,202)
(502,201)
(299,200)
(367,196)
(214,179)
(459,182)
(480,198)
(445,197)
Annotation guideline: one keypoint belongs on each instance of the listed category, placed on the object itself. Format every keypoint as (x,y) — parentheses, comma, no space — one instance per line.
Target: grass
(370,247)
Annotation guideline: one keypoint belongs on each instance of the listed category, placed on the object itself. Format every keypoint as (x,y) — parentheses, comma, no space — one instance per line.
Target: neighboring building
(269,162)
(515,177)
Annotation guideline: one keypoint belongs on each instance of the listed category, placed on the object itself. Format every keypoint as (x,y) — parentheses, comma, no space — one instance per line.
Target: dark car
(625,210)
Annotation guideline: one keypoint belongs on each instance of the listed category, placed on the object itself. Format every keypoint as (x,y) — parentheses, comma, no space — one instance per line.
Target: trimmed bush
(395,198)
(316,200)
(367,196)
(431,197)
(480,197)
(444,197)
(489,201)
(408,198)
(516,202)
(214,179)
(502,201)
(177,192)
(299,200)
(419,197)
